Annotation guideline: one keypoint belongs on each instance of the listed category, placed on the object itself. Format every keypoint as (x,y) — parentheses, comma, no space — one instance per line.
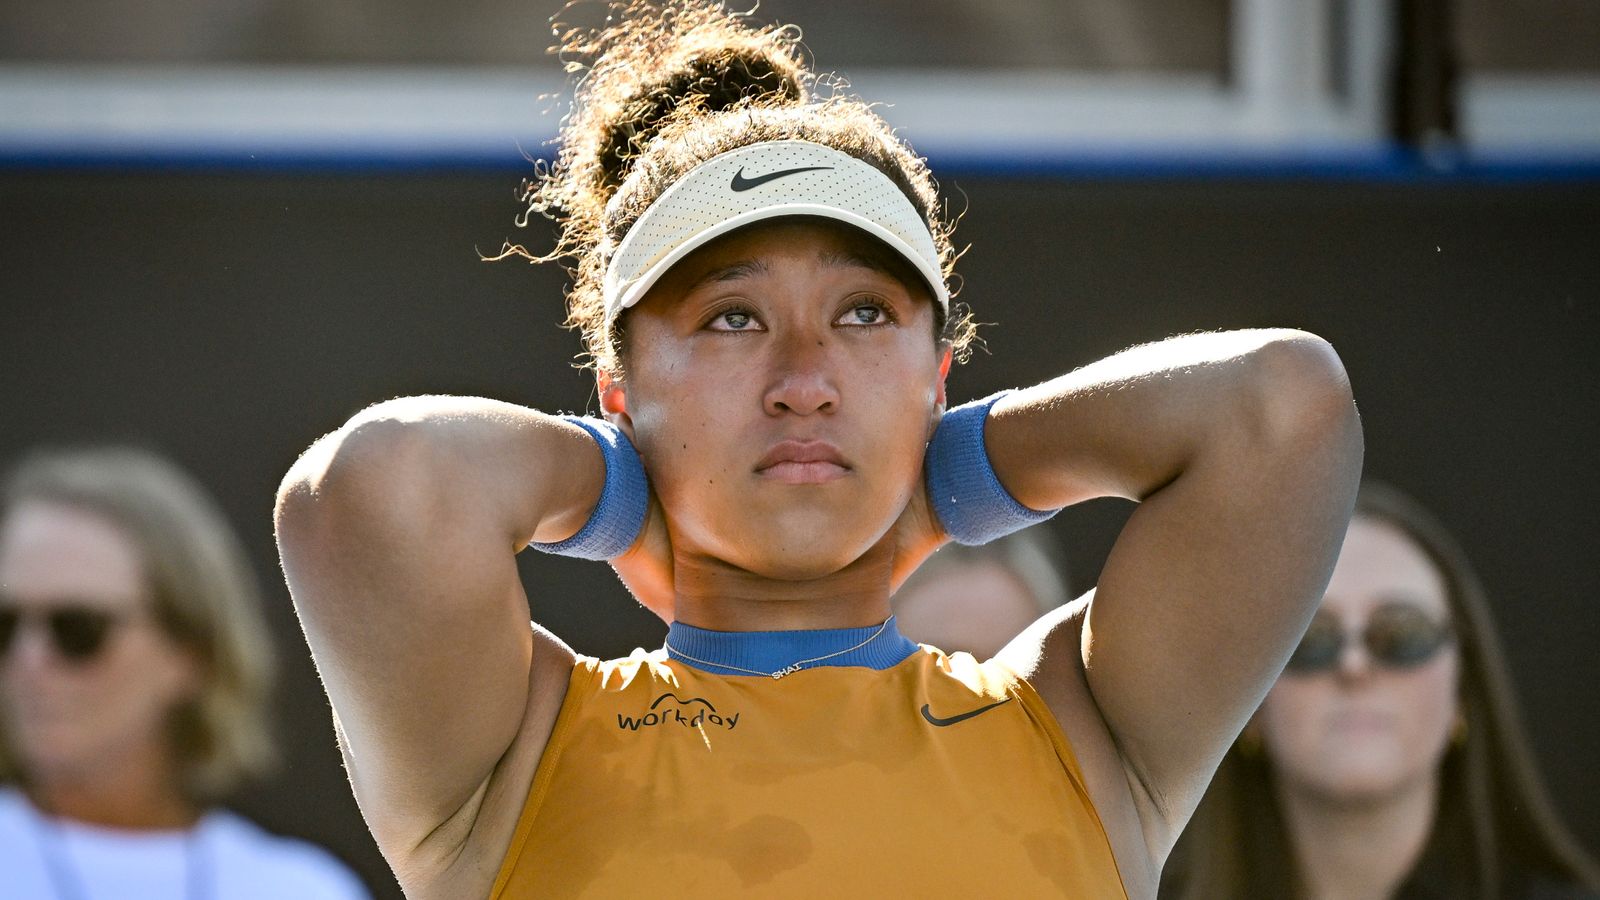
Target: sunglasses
(1397,636)
(78,632)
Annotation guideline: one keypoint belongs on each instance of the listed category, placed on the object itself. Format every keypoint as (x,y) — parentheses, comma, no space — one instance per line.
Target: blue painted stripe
(1384,163)
(287,161)
(1380,164)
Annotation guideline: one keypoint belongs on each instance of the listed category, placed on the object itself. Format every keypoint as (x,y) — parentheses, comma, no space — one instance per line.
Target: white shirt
(223,857)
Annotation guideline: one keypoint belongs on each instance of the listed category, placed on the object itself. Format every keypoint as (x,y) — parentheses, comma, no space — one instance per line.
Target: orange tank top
(936,776)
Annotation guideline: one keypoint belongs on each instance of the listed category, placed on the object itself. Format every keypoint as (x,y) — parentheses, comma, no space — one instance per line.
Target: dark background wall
(230,319)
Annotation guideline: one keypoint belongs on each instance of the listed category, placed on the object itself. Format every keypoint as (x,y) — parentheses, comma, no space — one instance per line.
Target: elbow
(350,474)
(1304,403)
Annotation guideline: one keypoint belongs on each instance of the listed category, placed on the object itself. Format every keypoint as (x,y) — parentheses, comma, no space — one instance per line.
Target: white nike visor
(766,181)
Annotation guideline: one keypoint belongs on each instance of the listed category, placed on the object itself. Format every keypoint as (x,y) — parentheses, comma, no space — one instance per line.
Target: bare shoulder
(1049,656)
(463,855)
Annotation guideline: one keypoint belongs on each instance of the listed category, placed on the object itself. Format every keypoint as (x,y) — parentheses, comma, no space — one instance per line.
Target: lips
(802,462)
(1361,721)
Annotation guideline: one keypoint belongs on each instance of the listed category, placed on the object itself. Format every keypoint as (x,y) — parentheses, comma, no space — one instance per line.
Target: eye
(866,312)
(733,318)
(1403,635)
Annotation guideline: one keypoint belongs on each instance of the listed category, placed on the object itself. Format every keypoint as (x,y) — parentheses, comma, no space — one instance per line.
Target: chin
(797,543)
(800,556)
(1359,784)
(1358,775)
(43,751)
(803,564)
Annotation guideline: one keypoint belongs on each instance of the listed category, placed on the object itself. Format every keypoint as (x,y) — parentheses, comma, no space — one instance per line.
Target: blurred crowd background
(229,225)
(1543,36)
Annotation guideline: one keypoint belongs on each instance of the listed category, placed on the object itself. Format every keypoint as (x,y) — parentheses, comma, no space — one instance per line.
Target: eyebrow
(1416,599)
(745,268)
(858,260)
(748,268)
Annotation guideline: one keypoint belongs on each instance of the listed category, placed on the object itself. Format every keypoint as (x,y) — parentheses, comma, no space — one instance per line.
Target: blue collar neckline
(766,652)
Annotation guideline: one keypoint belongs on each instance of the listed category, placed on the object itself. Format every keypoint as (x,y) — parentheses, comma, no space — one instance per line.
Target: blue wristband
(624,500)
(971,504)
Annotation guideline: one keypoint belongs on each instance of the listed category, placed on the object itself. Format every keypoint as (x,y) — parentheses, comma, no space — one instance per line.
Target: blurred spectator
(1388,760)
(134,671)
(978,598)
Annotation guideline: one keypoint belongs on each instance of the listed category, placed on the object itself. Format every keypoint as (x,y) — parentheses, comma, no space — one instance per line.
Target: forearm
(1130,424)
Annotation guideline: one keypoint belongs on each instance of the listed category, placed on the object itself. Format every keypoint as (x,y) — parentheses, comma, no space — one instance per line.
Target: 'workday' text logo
(670,709)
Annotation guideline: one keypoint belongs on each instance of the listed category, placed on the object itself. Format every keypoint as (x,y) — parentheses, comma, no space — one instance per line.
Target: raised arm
(399,534)
(1244,452)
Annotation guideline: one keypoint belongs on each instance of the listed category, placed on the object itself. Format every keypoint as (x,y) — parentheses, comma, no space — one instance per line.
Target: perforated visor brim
(634,291)
(761,182)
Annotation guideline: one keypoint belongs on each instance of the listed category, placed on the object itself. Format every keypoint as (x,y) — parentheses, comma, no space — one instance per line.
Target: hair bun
(662,87)
(707,83)
(655,62)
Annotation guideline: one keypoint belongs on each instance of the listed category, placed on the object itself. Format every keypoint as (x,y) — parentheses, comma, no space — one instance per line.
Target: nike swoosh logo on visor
(741,183)
(935,720)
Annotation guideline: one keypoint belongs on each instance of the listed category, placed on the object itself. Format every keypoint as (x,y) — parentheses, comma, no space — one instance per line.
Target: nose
(801,379)
(1354,661)
(28,649)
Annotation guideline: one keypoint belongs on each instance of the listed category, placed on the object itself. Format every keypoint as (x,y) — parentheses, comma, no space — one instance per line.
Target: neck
(713,594)
(142,792)
(1362,849)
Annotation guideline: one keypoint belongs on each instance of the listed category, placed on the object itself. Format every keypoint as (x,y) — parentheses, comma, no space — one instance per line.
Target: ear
(613,398)
(944,373)
(941,400)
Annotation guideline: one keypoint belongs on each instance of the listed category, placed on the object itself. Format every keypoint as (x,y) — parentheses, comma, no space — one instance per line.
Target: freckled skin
(798,346)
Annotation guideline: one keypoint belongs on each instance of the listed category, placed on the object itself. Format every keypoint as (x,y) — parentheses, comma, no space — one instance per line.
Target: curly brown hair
(666,87)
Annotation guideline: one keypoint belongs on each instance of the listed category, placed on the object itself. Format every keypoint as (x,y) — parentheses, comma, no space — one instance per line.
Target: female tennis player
(760,276)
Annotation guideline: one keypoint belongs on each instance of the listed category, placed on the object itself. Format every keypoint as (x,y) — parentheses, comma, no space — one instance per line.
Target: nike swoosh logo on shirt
(933,719)
(741,183)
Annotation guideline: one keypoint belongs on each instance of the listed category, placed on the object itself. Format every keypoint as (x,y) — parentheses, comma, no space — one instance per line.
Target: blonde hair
(667,87)
(204,593)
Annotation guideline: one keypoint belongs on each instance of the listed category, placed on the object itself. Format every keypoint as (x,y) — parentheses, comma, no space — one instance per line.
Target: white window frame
(1307,82)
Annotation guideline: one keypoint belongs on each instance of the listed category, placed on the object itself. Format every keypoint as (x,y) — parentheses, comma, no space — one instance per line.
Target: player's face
(782,383)
(88,677)
(1362,729)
